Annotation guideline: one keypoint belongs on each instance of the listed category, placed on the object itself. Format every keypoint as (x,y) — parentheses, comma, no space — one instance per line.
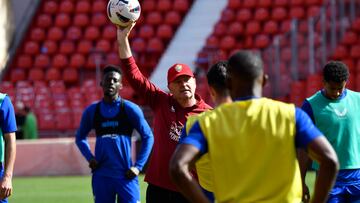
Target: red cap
(177,70)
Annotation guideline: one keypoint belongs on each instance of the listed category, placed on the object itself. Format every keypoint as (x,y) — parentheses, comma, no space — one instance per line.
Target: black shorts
(155,194)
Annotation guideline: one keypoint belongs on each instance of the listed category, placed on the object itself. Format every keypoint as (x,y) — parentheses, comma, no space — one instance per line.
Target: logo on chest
(175,131)
(340,113)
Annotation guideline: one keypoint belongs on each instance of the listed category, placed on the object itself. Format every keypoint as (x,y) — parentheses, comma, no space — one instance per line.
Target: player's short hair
(216,76)
(335,71)
(246,64)
(111,68)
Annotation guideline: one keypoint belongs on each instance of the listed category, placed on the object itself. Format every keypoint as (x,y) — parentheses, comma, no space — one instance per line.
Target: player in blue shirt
(114,119)
(7,146)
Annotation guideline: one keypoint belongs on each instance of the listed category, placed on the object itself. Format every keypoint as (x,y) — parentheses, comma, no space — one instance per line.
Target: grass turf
(69,189)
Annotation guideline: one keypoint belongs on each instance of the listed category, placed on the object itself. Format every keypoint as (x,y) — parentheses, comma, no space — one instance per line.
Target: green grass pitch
(69,189)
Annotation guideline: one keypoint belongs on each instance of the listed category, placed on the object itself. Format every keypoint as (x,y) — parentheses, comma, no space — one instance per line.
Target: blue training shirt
(305,133)
(7,116)
(113,153)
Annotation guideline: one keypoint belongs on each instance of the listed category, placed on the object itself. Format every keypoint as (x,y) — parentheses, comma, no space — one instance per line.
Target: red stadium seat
(84,46)
(81,20)
(70,75)
(261,14)
(154,18)
(355,51)
(99,19)
(46,121)
(112,58)
(244,15)
(66,47)
(249,42)
(350,38)
(235,28)
(164,31)
(220,29)
(249,4)
(350,64)
(279,14)
(66,7)
(36,74)
(297,12)
(261,41)
(103,45)
(173,18)
(24,61)
(212,42)
(138,45)
(285,26)
(181,6)
(164,5)
(264,3)
(147,32)
(77,60)
(313,11)
(49,47)
(37,34)
(50,7)
(31,48)
(93,59)
(314,2)
(227,16)
(44,20)
(17,75)
(303,27)
(52,74)
(252,28)
(99,6)
(59,61)
(73,33)
(42,61)
(62,20)
(271,27)
(55,34)
(340,52)
(109,32)
(83,6)
(227,43)
(280,3)
(234,4)
(155,45)
(148,6)
(297,2)
(92,33)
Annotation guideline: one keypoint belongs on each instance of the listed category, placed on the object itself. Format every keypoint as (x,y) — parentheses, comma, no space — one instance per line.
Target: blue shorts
(1,176)
(345,193)
(347,187)
(209,195)
(106,189)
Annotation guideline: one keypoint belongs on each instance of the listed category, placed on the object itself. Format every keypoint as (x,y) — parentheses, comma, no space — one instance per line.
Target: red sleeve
(143,87)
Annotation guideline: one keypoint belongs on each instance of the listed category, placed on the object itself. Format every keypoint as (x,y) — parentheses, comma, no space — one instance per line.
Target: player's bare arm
(182,160)
(10,154)
(321,151)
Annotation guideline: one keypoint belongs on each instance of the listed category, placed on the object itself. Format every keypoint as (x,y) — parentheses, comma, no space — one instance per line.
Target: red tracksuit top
(169,119)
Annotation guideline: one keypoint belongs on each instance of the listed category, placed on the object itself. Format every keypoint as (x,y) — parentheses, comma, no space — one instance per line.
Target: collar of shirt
(246,98)
(343,94)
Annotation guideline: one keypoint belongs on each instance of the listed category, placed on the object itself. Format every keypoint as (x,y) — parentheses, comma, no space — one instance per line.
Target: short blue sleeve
(306,131)
(196,138)
(307,108)
(7,119)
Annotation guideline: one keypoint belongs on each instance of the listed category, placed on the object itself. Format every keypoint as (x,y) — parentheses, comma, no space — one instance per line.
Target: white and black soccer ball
(123,12)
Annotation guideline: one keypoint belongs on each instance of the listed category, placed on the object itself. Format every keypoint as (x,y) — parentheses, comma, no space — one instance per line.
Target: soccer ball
(123,12)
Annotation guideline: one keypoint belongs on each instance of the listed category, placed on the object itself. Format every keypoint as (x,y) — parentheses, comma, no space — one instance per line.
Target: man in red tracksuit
(170,113)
